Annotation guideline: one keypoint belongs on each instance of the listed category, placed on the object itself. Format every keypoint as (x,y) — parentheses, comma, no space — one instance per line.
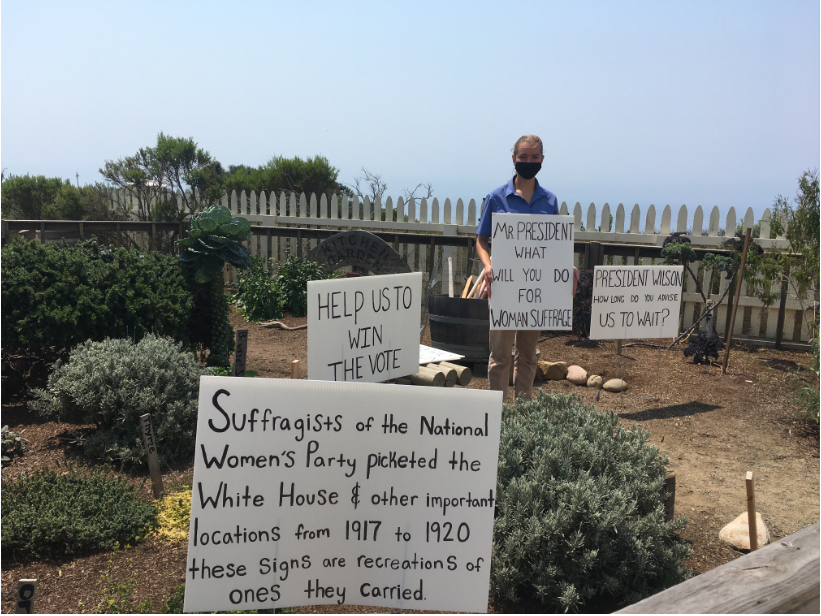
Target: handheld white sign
(429,355)
(314,492)
(364,329)
(636,301)
(532,284)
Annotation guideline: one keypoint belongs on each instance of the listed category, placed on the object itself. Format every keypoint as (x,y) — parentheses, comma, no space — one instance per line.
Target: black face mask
(527,171)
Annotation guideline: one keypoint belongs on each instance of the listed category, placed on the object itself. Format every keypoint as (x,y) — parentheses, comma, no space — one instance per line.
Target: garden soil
(712,427)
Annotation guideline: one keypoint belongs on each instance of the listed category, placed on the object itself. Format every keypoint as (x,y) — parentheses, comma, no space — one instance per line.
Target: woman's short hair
(532,139)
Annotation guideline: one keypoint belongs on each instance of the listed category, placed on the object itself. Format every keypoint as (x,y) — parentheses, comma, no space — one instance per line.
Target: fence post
(782,309)
(151,453)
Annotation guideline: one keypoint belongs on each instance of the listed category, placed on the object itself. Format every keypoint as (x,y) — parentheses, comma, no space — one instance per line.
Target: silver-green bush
(579,516)
(111,383)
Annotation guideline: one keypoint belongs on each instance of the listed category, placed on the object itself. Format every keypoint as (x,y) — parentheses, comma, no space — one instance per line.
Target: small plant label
(364,329)
(240,352)
(532,285)
(313,493)
(636,301)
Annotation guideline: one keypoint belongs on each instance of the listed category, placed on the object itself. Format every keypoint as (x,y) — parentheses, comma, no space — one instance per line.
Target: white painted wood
(400,210)
(698,222)
(605,219)
(367,207)
(303,205)
(411,210)
(714,222)
(345,208)
(472,212)
(666,214)
(312,209)
(292,206)
(263,204)
(619,228)
(764,224)
(234,203)
(591,218)
(447,213)
(434,211)
(681,221)
(729,228)
(423,212)
(323,206)
(635,219)
(388,211)
(460,213)
(785,223)
(252,203)
(650,220)
(563,209)
(356,214)
(749,220)
(577,217)
(243,204)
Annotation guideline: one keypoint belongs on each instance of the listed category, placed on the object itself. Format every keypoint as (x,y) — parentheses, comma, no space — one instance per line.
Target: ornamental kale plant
(111,383)
(579,516)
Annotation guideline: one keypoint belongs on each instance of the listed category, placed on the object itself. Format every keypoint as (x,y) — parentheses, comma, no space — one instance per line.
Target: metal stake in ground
(240,352)
(751,512)
(151,453)
(295,369)
(26,593)
(739,281)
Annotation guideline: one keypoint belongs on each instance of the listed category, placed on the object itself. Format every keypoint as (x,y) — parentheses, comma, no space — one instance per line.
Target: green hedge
(56,296)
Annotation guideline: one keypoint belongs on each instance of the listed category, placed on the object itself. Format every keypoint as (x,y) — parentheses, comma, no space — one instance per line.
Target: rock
(737,532)
(595,381)
(552,370)
(577,375)
(615,386)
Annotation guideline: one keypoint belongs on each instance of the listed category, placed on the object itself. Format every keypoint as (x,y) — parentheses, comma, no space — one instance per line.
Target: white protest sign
(364,329)
(532,284)
(429,355)
(636,301)
(316,492)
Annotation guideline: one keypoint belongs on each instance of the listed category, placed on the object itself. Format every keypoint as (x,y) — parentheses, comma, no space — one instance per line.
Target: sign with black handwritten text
(316,492)
(636,301)
(364,329)
(532,284)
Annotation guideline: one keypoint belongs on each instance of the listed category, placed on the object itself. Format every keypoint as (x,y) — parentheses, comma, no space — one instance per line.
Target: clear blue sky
(702,103)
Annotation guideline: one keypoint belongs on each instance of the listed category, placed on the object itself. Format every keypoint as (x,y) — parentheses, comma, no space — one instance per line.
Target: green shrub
(118,597)
(579,514)
(258,296)
(57,296)
(112,383)
(12,443)
(804,384)
(293,275)
(51,515)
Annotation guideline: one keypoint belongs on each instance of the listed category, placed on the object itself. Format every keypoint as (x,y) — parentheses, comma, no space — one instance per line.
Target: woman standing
(521,195)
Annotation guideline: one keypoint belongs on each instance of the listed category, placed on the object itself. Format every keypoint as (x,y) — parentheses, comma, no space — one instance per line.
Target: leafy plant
(112,383)
(213,240)
(49,515)
(583,304)
(12,443)
(293,275)
(702,347)
(579,515)
(174,516)
(57,296)
(258,296)
(118,596)
(806,400)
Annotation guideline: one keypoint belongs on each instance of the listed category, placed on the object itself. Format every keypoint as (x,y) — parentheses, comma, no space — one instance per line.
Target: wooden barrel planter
(460,326)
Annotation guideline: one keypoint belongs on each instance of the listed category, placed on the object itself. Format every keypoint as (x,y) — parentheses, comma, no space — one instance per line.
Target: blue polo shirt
(505,200)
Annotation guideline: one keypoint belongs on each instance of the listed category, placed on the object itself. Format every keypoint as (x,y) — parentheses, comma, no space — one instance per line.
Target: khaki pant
(498,370)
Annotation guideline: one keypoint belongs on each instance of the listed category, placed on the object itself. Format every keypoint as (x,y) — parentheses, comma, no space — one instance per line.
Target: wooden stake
(151,453)
(240,352)
(451,378)
(450,276)
(26,593)
(738,282)
(670,501)
(618,347)
(295,369)
(466,290)
(751,512)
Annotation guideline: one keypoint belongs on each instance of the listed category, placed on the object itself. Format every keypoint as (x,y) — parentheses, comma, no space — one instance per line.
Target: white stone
(576,375)
(737,532)
(595,381)
(615,386)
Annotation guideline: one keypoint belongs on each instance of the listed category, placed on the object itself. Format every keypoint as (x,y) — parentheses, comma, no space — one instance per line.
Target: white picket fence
(289,209)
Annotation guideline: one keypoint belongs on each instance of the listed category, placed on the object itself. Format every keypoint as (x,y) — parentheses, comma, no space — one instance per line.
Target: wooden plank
(781,577)
(751,512)
(151,454)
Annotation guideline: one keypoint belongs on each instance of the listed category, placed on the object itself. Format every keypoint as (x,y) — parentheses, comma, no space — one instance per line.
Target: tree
(26,197)
(175,164)
(312,175)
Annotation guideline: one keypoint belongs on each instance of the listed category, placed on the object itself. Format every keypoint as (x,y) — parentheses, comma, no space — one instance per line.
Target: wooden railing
(782,577)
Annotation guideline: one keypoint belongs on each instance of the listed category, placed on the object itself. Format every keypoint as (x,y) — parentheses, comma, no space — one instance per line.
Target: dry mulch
(713,428)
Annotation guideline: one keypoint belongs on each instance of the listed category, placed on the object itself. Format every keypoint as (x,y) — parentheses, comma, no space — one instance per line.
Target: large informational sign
(312,493)
(532,284)
(636,301)
(364,329)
